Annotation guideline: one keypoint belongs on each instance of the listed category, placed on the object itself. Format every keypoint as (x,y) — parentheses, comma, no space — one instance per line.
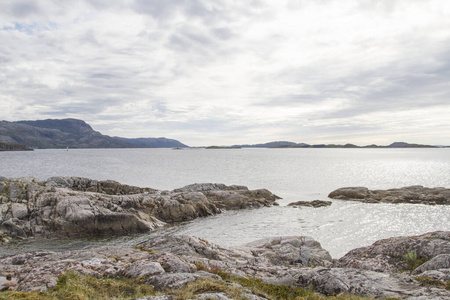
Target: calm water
(293,174)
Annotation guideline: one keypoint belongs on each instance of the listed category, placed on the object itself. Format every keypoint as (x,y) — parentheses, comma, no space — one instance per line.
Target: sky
(227,72)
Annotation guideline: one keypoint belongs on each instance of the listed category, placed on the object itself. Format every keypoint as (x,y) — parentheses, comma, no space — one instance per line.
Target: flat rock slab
(413,194)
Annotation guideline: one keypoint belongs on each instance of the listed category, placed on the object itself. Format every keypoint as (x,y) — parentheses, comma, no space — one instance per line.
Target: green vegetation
(78,287)
(149,251)
(413,261)
(428,281)
(73,286)
(14,147)
(260,288)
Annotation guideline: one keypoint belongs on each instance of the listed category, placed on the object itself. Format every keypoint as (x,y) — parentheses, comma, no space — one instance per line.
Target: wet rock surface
(413,194)
(314,203)
(173,261)
(73,206)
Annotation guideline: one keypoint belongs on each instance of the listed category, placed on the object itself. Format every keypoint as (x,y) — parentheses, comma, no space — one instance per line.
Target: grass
(78,287)
(271,291)
(428,281)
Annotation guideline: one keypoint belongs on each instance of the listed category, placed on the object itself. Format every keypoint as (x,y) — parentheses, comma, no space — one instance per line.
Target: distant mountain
(59,133)
(153,142)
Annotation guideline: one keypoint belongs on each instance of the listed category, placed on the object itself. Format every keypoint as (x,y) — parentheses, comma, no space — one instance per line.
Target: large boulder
(413,194)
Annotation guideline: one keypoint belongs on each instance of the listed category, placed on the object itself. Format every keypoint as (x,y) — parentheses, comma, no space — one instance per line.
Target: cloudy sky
(229,72)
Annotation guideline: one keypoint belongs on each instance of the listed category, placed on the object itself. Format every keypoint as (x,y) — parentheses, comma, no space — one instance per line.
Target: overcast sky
(228,72)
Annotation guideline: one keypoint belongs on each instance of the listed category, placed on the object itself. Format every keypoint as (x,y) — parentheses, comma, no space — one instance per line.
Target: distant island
(69,133)
(222,147)
(284,144)
(74,133)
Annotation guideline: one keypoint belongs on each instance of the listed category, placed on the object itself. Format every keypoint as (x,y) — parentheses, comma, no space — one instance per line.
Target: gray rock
(441,261)
(276,260)
(177,280)
(387,255)
(413,194)
(252,297)
(314,203)
(291,250)
(365,283)
(143,268)
(164,297)
(441,274)
(75,206)
(218,296)
(19,210)
(173,264)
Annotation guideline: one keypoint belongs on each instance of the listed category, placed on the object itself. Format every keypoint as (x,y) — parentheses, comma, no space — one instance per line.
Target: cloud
(243,72)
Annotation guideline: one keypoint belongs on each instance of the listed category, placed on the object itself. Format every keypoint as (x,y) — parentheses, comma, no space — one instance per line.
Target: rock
(441,261)
(364,283)
(291,250)
(211,296)
(314,203)
(163,297)
(143,268)
(441,274)
(387,255)
(177,280)
(252,297)
(174,261)
(75,206)
(348,193)
(414,194)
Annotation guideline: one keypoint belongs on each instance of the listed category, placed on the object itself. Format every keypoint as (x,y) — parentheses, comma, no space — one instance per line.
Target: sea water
(293,174)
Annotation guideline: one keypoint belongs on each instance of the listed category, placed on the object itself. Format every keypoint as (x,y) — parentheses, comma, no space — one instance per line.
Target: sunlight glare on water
(293,174)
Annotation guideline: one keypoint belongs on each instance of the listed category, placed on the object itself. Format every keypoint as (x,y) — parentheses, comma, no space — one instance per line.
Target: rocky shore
(77,207)
(413,194)
(171,262)
(416,267)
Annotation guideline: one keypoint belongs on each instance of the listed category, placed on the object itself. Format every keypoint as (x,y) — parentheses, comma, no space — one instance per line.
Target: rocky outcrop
(413,194)
(73,206)
(314,203)
(172,261)
(164,262)
(388,255)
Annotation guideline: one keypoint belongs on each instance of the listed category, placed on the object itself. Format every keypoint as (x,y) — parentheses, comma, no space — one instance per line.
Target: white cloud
(229,72)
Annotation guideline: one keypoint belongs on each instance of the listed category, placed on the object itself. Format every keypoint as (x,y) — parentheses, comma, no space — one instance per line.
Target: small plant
(413,261)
